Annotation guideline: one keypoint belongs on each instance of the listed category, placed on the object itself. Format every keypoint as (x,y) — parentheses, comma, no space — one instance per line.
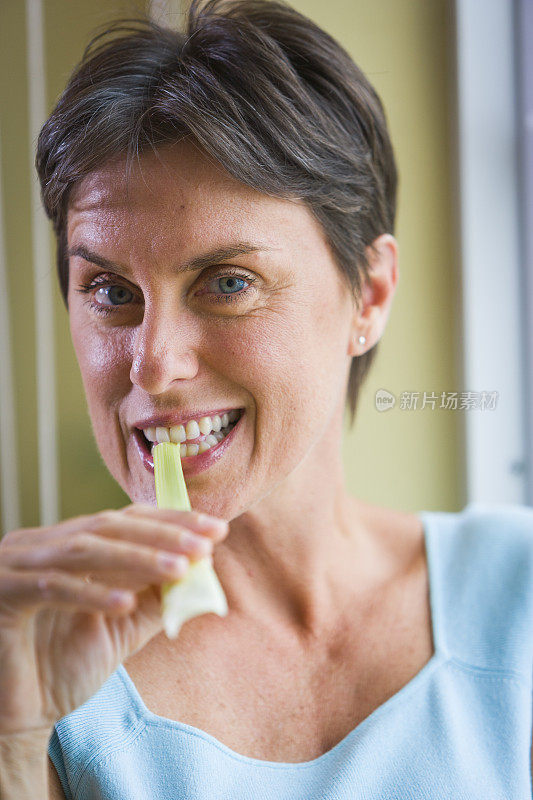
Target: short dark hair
(263,90)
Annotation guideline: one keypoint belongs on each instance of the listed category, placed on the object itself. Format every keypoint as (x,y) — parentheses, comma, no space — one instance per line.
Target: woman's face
(266,330)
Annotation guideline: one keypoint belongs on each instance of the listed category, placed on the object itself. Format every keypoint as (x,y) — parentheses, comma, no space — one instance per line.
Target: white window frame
(524,65)
(492,287)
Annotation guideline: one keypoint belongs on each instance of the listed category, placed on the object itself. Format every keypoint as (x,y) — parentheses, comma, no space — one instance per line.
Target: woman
(224,204)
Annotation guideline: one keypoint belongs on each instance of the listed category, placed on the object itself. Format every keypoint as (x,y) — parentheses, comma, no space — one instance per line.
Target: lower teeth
(200,447)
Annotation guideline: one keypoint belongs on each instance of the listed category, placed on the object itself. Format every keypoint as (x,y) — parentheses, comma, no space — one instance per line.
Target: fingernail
(171,562)
(119,598)
(196,543)
(204,547)
(212,523)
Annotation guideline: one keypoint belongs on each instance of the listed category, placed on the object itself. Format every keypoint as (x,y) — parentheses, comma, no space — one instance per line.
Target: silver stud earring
(362,339)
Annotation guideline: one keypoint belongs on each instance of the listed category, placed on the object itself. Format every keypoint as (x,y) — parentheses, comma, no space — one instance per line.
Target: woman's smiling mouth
(201,442)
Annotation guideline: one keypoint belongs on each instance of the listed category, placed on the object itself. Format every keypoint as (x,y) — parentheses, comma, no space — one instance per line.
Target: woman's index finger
(194,520)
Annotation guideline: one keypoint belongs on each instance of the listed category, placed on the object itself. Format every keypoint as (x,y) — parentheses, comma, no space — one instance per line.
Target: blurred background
(444,418)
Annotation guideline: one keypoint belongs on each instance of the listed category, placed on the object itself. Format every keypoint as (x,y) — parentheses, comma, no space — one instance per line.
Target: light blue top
(461,728)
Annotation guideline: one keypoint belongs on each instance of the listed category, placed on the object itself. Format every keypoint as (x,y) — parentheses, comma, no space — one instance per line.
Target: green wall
(403,459)
(410,459)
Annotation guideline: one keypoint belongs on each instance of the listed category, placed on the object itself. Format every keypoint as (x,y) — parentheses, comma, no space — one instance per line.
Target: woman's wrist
(24,764)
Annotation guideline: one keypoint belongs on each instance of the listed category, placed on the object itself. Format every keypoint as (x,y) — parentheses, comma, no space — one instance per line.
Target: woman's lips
(191,464)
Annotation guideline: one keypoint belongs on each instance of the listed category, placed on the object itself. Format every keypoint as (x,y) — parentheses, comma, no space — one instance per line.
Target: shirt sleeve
(55,752)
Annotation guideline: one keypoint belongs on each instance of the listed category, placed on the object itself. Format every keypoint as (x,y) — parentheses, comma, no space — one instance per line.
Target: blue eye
(116,295)
(110,297)
(232,286)
(232,282)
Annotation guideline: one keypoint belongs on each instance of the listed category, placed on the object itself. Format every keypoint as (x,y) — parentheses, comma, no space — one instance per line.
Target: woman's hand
(77,598)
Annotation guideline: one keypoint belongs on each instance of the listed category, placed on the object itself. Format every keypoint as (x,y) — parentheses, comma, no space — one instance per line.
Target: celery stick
(199,591)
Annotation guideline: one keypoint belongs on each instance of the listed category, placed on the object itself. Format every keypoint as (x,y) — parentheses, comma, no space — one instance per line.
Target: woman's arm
(24,766)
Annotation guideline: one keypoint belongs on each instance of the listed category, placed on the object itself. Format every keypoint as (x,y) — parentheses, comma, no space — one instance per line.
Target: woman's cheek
(104,361)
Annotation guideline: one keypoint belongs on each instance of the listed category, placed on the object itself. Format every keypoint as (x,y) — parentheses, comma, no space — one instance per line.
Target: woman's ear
(371,313)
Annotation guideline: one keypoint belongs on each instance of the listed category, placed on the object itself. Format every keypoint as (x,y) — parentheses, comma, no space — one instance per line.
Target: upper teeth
(193,429)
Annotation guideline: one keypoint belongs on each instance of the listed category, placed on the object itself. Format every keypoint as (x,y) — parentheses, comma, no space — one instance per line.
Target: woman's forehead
(175,197)
(172,170)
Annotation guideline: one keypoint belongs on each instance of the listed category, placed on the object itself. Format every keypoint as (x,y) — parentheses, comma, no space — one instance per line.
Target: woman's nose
(162,352)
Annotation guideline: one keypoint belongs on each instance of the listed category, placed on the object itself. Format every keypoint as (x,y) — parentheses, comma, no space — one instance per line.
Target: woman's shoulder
(486,527)
(485,511)
(501,516)
(482,584)
(105,722)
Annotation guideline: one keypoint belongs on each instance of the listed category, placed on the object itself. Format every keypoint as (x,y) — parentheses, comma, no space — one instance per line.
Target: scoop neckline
(416,682)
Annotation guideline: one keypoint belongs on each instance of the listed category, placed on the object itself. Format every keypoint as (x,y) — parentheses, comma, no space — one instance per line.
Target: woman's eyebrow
(204,260)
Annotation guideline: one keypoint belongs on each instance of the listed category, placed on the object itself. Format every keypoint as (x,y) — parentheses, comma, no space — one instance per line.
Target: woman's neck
(296,557)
